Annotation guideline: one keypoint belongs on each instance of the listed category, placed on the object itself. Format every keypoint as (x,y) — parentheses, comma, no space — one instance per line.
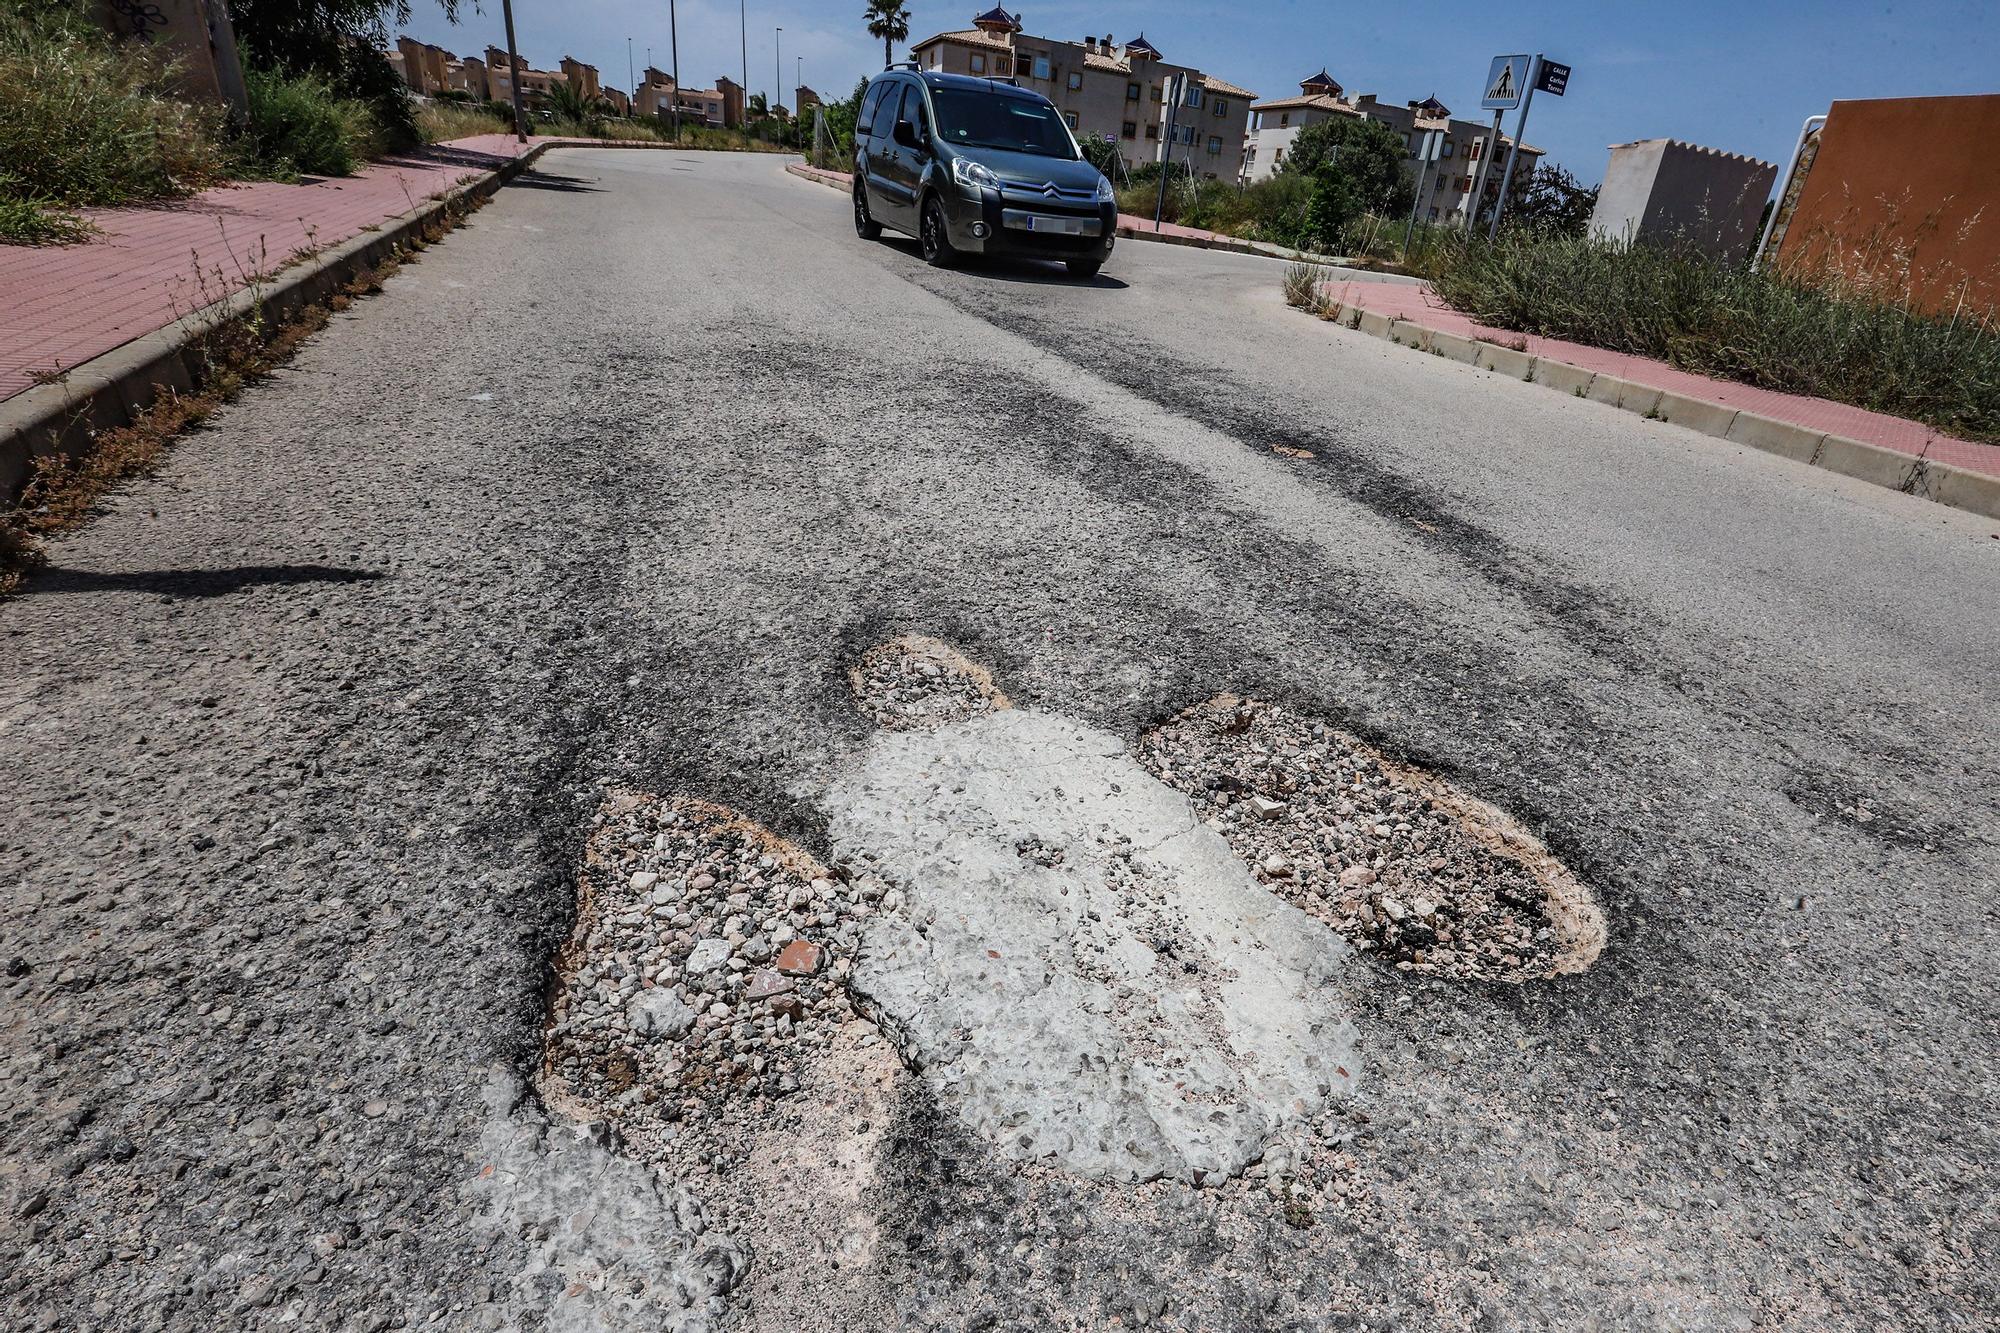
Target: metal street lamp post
(514,74)
(674,38)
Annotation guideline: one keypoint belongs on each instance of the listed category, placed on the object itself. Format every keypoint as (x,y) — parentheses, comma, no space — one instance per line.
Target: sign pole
(1173,109)
(1485,169)
(1514,150)
(1427,156)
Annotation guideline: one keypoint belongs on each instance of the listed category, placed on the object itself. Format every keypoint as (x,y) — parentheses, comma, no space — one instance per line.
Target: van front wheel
(934,238)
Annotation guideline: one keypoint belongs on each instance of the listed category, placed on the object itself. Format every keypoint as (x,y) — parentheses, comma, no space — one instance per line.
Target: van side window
(913,106)
(871,103)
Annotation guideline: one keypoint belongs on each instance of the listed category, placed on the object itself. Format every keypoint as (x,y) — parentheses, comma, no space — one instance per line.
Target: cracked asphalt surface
(301,738)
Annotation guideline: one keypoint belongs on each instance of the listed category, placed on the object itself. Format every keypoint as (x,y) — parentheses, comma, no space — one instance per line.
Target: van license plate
(1045,222)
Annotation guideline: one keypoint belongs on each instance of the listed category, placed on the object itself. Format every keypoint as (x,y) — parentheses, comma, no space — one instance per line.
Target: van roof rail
(899,64)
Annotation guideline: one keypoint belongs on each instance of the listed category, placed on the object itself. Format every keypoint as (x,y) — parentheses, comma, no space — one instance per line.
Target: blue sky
(1735,75)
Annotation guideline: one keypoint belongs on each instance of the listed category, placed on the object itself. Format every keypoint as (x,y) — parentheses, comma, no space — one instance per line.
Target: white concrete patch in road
(1083,971)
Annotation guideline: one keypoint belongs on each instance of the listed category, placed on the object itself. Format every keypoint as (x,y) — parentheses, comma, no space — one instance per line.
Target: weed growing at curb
(1304,288)
(64,489)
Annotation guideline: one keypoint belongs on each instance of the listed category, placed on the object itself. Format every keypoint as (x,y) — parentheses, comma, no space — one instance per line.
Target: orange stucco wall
(1905,196)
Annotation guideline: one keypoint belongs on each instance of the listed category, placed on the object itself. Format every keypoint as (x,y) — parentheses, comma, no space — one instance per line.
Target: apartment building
(717,107)
(582,77)
(1447,194)
(1117,94)
(425,68)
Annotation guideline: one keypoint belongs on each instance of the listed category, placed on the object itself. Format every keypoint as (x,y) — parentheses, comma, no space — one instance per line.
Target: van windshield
(1017,124)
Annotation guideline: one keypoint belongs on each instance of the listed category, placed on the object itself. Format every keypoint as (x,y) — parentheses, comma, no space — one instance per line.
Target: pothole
(1400,862)
(915,682)
(703,983)
(1082,971)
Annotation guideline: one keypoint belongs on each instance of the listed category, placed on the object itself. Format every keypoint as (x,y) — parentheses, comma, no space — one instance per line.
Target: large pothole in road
(1406,866)
(700,1011)
(1085,973)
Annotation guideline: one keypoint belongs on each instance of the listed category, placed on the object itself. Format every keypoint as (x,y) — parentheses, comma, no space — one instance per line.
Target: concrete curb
(1958,487)
(111,390)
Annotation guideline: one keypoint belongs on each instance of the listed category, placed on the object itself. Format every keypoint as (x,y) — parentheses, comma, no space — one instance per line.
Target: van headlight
(972,177)
(1105,194)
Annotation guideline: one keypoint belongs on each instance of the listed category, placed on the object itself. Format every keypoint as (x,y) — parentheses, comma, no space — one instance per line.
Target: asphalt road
(301,740)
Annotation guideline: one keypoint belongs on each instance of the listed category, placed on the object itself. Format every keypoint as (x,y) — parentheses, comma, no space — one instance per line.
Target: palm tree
(568,101)
(889,20)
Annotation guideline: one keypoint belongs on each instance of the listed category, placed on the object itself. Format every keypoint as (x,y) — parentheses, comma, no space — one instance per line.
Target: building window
(1075,79)
(1194,95)
(1070,117)
(1277,157)
(978,63)
(1131,129)
(1448,145)
(1042,68)
(1152,131)
(1214,146)
(1284,119)
(1158,95)
(1221,106)
(1003,65)
(1131,92)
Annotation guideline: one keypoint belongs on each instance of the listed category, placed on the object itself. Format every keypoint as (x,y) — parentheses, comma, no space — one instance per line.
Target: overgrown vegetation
(1808,332)
(300,126)
(338,43)
(443,121)
(86,122)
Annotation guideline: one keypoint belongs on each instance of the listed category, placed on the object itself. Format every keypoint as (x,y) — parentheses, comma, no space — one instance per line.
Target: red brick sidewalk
(1419,305)
(152,265)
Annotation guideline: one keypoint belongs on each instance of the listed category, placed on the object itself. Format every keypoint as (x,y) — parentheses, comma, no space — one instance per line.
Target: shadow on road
(542,180)
(192,582)
(1036,272)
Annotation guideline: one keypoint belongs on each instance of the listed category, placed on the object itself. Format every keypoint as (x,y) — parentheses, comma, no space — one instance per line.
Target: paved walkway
(62,306)
(1420,305)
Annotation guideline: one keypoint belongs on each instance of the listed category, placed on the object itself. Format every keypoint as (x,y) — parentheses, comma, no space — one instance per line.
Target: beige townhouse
(1117,94)
(1448,184)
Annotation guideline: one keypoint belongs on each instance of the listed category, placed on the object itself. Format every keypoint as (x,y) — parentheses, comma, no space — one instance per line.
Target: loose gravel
(1415,872)
(704,979)
(919,682)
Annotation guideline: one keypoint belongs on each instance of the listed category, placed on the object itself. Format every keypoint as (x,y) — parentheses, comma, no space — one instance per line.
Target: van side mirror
(907,136)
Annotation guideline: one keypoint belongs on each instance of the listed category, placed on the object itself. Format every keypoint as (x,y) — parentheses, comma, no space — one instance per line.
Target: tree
(340,42)
(1553,202)
(760,106)
(1367,152)
(889,20)
(1332,208)
(568,101)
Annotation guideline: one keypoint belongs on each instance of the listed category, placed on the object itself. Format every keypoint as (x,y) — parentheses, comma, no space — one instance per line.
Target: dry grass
(63,490)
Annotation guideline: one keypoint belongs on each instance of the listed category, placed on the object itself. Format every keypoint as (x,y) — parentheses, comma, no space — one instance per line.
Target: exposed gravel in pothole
(705,978)
(1410,869)
(914,682)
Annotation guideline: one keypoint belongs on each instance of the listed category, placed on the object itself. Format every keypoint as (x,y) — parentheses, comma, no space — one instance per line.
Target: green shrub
(299,126)
(1795,332)
(88,121)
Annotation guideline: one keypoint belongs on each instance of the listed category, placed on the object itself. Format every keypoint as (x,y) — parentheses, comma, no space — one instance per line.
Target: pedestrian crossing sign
(1505,82)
